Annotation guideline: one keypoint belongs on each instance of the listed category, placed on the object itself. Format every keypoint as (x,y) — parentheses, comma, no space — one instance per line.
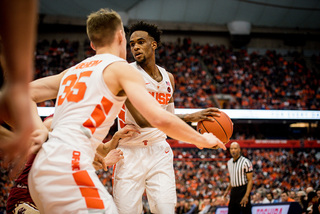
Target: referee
(240,171)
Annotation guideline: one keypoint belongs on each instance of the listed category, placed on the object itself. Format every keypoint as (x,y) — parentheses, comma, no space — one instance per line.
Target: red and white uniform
(62,178)
(148,158)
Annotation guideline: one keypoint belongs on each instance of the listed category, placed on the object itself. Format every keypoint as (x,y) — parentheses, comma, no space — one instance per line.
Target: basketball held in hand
(221,127)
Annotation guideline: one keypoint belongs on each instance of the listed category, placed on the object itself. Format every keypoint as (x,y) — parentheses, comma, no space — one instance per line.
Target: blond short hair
(102,26)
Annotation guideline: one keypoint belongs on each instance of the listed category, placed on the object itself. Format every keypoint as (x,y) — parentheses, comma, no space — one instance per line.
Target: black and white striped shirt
(238,171)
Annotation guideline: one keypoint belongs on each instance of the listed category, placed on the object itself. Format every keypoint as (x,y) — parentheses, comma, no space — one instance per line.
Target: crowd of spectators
(254,81)
(202,176)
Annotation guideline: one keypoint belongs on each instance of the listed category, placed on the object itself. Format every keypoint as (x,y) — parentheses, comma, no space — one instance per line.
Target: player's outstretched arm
(41,90)
(130,80)
(17,31)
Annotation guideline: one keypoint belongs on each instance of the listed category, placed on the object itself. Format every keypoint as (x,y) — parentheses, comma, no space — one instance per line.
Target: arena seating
(254,81)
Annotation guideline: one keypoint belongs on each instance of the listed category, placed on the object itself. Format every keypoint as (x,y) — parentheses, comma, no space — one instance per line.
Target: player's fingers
(200,147)
(207,117)
(129,134)
(212,114)
(131,127)
(97,165)
(214,109)
(221,145)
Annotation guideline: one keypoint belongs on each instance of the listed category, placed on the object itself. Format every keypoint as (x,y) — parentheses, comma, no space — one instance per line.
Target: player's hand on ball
(212,142)
(205,114)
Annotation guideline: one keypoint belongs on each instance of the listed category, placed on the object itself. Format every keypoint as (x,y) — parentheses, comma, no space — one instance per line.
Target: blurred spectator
(194,207)
(276,195)
(268,199)
(301,199)
(182,207)
(258,199)
(205,205)
(309,189)
(313,203)
(292,194)
(285,197)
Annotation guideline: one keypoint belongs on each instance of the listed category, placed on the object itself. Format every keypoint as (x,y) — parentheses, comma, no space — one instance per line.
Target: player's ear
(92,46)
(154,45)
(120,35)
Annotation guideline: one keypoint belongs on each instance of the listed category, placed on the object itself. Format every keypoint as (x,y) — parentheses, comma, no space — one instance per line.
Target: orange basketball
(222,127)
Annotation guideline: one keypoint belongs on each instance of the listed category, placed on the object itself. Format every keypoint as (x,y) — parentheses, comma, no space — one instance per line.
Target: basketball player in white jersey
(89,97)
(148,162)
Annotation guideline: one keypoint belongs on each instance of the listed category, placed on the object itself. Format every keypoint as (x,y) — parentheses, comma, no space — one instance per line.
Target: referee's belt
(240,186)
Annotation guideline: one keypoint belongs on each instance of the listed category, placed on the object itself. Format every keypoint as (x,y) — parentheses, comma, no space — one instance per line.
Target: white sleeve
(170,108)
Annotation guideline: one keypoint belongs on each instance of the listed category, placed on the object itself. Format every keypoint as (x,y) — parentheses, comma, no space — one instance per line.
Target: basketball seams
(229,122)
(204,126)
(213,127)
(221,128)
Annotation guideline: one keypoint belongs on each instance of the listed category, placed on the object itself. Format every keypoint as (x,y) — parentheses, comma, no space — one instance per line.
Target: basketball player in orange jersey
(18,33)
(148,163)
(89,98)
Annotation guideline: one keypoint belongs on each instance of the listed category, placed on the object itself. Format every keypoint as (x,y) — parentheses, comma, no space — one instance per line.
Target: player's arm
(107,154)
(43,89)
(120,75)
(246,196)
(205,114)
(127,131)
(17,33)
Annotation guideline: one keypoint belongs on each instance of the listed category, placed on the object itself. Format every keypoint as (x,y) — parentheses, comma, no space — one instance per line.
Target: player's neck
(108,50)
(151,68)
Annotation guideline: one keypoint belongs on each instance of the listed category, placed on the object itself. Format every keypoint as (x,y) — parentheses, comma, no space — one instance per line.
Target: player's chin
(140,59)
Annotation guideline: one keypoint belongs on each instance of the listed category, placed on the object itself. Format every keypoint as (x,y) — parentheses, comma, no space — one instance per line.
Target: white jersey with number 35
(85,108)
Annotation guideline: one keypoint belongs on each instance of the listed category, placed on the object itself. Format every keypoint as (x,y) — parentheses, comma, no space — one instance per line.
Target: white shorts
(143,168)
(62,180)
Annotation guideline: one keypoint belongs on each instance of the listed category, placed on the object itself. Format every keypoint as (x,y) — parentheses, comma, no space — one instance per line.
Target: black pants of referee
(236,196)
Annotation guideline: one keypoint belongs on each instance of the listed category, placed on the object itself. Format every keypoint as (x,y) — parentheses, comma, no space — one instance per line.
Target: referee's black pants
(236,196)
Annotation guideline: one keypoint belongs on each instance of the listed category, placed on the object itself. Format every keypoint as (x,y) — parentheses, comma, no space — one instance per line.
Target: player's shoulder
(121,67)
(134,64)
